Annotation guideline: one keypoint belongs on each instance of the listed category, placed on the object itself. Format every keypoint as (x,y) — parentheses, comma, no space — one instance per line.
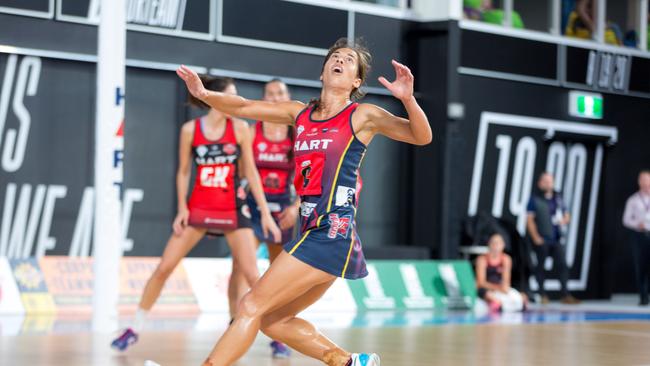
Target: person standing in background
(637,218)
(547,218)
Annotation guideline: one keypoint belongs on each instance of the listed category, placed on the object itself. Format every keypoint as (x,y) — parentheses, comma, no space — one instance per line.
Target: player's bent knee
(250,307)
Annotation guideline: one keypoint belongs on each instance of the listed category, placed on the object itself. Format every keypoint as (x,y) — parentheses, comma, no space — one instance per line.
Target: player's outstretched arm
(281,112)
(414,130)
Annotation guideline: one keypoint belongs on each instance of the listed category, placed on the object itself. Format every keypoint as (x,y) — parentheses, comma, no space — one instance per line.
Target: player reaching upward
(331,138)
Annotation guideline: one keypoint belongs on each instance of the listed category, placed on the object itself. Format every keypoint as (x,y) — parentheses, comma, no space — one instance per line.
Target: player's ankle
(337,357)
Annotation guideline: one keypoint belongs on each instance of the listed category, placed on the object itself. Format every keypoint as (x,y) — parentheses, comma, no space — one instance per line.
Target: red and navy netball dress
(493,274)
(217,201)
(328,156)
(274,161)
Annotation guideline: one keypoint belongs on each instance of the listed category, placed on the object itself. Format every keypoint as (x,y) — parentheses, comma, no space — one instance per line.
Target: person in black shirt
(547,221)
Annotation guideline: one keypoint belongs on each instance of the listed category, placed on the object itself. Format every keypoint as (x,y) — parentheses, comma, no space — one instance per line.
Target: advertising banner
(10,302)
(415,285)
(33,289)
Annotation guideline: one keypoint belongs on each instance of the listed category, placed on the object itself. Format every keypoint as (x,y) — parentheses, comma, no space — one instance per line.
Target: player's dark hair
(291,131)
(214,83)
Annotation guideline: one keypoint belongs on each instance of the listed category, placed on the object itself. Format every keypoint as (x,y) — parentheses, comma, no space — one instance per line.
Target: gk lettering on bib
(215,176)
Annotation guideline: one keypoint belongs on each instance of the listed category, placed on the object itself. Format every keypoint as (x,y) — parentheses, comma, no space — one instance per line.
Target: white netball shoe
(365,359)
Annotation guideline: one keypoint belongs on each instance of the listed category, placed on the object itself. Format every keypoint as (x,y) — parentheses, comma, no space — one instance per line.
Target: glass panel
(620,24)
(579,18)
(489,11)
(534,14)
(623,23)
(621,20)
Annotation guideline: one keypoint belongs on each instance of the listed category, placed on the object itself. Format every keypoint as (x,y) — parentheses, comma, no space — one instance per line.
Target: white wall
(438,9)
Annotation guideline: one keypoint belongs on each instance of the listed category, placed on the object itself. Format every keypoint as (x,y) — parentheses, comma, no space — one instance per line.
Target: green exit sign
(585,105)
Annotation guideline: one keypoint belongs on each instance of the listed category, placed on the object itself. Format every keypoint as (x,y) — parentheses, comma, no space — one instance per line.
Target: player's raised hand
(402,87)
(192,81)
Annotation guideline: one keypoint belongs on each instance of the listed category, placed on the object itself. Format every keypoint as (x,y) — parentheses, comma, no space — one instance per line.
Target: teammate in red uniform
(220,147)
(273,151)
(331,138)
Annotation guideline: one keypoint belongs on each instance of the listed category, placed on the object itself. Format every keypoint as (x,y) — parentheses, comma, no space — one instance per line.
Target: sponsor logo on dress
(241,193)
(209,220)
(229,149)
(306,209)
(246,211)
(262,146)
(339,226)
(300,130)
(312,132)
(201,150)
(344,196)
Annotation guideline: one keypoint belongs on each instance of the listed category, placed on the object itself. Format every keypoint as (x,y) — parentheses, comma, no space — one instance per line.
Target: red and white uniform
(274,161)
(217,201)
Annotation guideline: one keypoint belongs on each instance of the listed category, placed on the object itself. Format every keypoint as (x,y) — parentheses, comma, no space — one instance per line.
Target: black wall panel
(508,54)
(30,5)
(301,24)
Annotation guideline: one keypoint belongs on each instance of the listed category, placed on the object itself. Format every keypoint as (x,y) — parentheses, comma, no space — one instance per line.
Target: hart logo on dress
(339,226)
(272,157)
(315,144)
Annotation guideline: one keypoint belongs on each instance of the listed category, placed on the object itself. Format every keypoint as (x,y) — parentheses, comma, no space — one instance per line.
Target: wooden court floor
(605,343)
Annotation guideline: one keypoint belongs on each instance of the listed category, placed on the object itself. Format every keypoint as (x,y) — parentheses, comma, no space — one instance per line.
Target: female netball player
(220,147)
(331,138)
(273,153)
(493,271)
